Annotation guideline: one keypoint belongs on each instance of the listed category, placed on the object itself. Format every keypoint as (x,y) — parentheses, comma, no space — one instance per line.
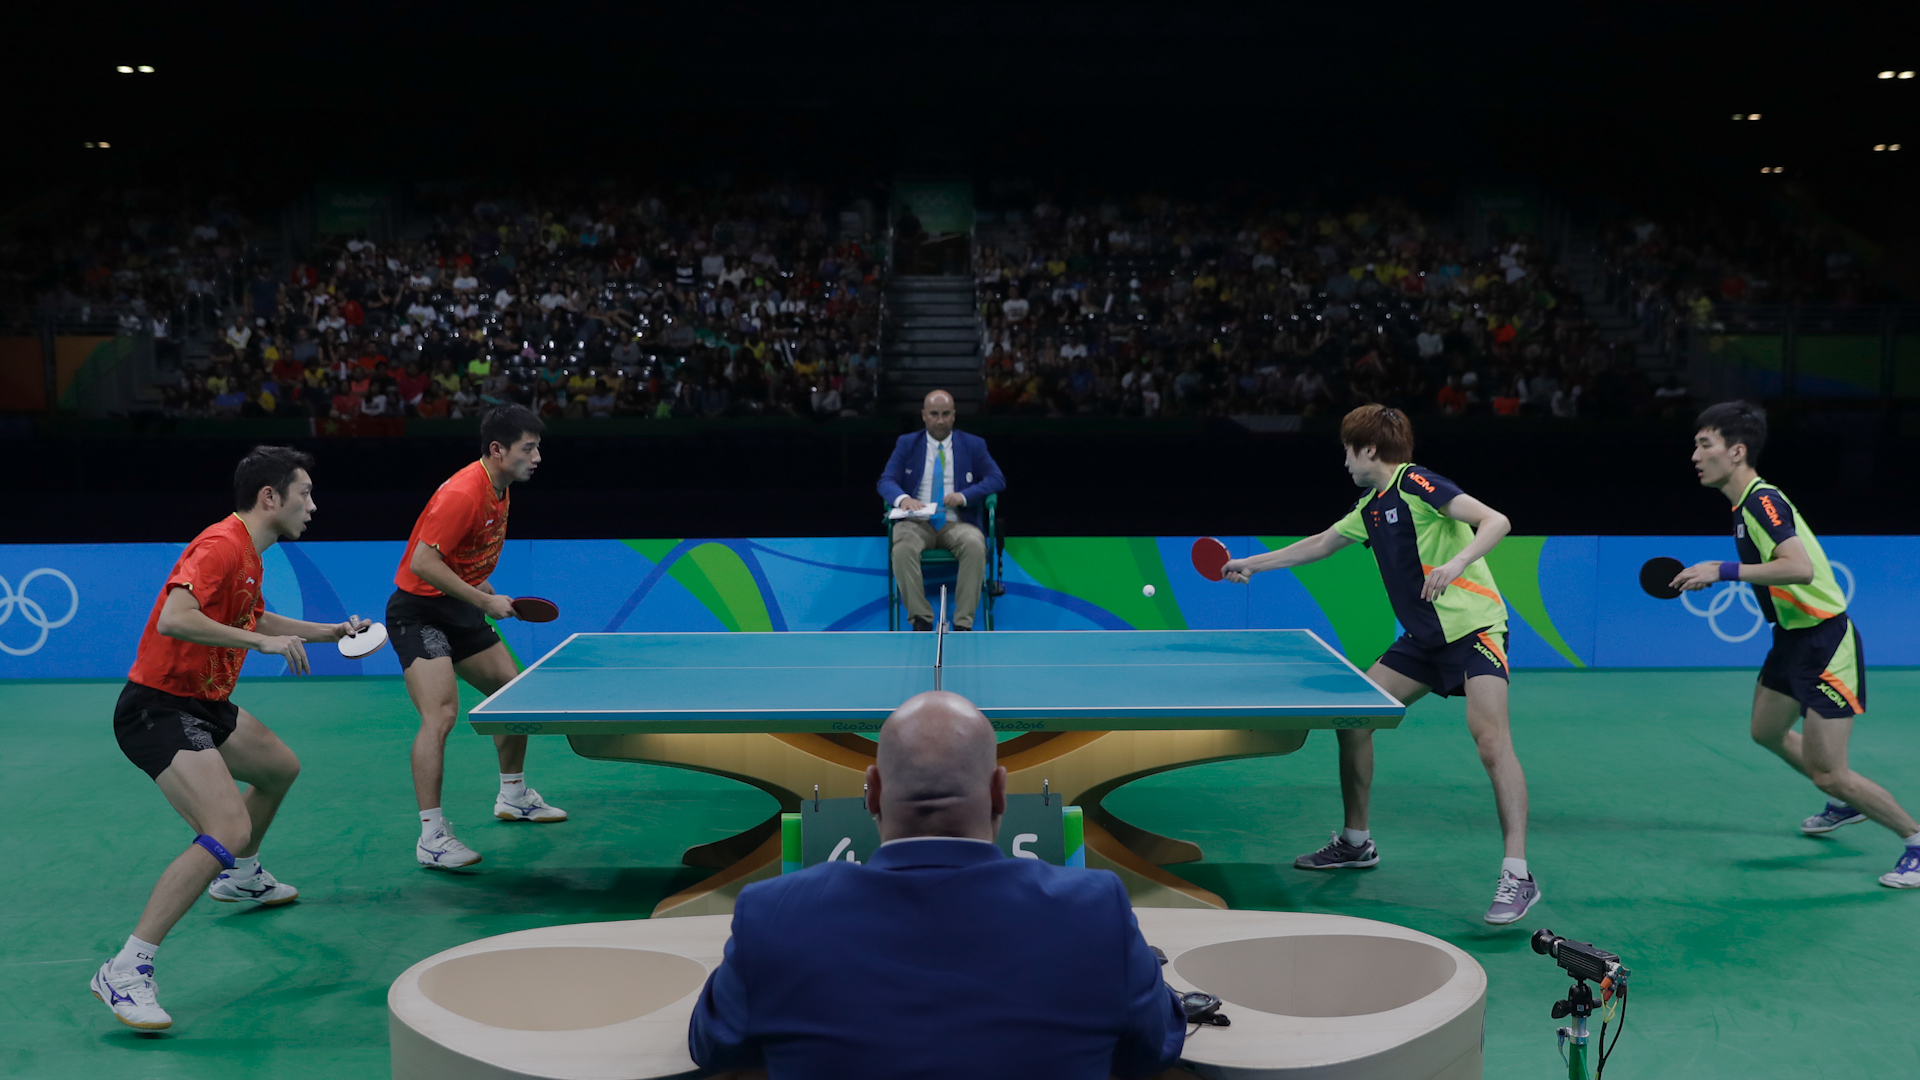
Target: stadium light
(1893,146)
(125,69)
(146,69)
(1886,74)
(1753,116)
(1906,74)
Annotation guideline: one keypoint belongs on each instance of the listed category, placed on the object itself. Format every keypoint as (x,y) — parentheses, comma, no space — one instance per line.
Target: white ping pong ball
(1146,590)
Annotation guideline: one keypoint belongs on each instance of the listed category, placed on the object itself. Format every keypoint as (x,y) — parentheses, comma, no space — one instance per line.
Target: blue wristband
(1729,571)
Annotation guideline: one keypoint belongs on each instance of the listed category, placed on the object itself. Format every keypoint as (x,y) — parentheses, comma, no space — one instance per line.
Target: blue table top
(1022,680)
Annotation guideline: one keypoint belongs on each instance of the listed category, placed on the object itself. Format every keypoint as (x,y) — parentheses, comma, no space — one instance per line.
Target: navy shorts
(1821,667)
(152,725)
(432,627)
(1445,670)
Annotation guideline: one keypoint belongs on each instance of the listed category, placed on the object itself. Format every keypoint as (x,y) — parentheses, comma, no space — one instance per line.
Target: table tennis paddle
(534,609)
(1656,577)
(371,639)
(1209,555)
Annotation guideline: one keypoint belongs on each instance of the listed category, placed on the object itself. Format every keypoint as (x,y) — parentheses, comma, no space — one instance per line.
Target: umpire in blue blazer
(952,472)
(940,957)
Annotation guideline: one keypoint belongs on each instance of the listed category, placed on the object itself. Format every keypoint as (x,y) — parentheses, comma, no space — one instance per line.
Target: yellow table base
(1079,767)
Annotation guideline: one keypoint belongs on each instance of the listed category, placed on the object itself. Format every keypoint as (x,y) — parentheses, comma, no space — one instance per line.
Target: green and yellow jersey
(1764,519)
(1410,535)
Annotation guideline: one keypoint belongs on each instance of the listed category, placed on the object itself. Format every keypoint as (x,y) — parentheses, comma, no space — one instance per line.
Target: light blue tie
(939,518)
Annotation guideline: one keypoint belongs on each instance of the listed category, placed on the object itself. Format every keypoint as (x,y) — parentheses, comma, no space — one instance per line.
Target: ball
(1146,590)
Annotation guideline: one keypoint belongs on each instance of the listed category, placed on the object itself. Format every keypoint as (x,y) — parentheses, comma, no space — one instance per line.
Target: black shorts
(1445,670)
(430,627)
(1821,667)
(151,725)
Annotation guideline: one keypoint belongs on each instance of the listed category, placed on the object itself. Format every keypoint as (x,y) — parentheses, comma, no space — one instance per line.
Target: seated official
(951,471)
(941,957)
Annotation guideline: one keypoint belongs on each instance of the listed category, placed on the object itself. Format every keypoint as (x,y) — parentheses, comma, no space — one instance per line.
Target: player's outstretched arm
(274,625)
(1790,565)
(434,571)
(1490,526)
(181,617)
(1299,553)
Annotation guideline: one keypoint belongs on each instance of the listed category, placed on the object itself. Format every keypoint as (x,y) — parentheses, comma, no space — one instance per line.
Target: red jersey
(223,571)
(466,522)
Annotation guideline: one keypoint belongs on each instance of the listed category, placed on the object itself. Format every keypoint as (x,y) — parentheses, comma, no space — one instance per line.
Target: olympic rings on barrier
(1725,596)
(518,728)
(31,612)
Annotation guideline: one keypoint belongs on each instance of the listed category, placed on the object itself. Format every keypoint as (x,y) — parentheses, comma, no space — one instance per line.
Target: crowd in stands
(604,305)
(1712,269)
(1162,307)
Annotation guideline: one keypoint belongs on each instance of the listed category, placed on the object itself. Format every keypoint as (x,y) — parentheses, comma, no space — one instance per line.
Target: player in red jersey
(175,721)
(437,619)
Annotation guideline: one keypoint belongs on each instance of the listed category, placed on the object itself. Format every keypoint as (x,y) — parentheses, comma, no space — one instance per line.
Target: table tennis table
(794,713)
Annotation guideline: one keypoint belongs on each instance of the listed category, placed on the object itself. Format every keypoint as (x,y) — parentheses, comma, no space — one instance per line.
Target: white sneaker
(256,888)
(528,807)
(1905,873)
(130,996)
(441,851)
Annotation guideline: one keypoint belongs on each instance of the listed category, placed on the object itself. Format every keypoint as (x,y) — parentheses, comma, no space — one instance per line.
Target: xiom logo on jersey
(1422,482)
(1773,512)
(1834,694)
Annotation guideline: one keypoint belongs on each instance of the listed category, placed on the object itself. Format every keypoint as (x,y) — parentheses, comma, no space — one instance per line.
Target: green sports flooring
(1659,831)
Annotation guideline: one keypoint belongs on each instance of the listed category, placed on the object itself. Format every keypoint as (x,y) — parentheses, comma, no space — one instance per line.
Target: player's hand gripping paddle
(1656,577)
(368,640)
(534,609)
(1209,556)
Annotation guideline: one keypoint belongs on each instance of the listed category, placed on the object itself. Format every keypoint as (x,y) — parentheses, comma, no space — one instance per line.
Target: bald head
(935,773)
(937,412)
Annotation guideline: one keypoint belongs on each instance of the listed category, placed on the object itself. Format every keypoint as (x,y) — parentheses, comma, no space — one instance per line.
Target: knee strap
(214,849)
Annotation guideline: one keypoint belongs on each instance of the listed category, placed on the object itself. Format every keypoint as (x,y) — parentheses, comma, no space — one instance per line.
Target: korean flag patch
(1393,516)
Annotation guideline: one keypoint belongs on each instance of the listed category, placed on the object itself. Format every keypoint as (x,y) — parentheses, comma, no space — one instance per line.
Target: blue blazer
(938,958)
(973,471)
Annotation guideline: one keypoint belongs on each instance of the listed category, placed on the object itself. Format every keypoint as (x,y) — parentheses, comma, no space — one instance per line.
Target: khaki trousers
(968,545)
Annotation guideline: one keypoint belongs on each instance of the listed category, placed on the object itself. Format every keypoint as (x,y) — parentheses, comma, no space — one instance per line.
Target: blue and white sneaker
(258,887)
(1340,855)
(1834,816)
(529,806)
(1512,898)
(440,851)
(1905,873)
(131,997)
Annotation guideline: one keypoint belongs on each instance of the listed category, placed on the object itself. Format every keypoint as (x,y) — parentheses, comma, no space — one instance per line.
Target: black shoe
(962,629)
(923,624)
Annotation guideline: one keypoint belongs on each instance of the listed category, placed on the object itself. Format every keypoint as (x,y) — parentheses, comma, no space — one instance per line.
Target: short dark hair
(267,466)
(1387,430)
(1740,422)
(504,424)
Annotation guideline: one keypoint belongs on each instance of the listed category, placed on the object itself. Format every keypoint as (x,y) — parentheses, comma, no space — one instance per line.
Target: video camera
(1577,958)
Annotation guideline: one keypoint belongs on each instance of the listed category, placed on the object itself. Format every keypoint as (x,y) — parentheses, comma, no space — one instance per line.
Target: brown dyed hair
(1385,429)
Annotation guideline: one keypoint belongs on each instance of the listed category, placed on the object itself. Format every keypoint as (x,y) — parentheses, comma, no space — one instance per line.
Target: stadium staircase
(930,340)
(1586,271)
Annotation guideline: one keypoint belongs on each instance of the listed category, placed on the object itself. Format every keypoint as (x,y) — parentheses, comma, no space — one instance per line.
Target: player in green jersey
(1430,540)
(1814,675)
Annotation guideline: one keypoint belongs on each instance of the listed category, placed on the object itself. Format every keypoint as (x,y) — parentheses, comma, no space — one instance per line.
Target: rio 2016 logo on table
(1742,593)
(31,612)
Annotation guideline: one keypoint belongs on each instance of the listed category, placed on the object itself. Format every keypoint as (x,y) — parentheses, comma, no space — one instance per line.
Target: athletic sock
(431,820)
(513,785)
(245,867)
(1516,867)
(1356,837)
(1912,841)
(131,955)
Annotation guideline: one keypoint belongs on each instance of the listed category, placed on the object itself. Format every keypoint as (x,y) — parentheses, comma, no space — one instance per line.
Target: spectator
(946,473)
(935,914)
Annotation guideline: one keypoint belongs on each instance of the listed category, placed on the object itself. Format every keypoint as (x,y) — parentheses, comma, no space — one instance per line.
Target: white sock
(431,820)
(245,867)
(134,953)
(1912,841)
(1516,867)
(1356,837)
(513,785)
